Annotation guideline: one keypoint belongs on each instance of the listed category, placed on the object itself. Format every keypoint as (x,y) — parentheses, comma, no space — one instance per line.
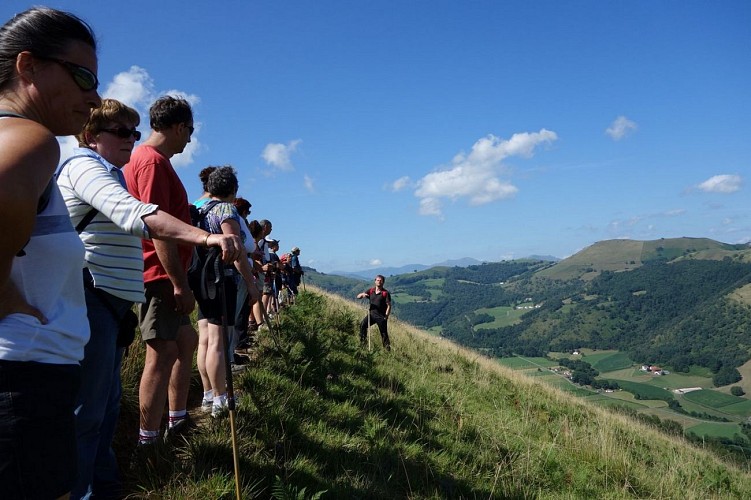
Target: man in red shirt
(165,324)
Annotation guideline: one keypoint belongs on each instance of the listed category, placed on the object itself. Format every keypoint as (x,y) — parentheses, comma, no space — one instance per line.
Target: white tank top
(49,277)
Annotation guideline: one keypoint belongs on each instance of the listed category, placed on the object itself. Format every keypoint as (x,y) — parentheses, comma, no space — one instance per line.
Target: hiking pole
(367,309)
(278,309)
(230,388)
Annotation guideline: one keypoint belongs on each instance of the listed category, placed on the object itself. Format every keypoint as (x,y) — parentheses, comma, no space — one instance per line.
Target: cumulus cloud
(476,176)
(279,155)
(136,88)
(400,183)
(308,182)
(724,183)
(620,128)
(375,262)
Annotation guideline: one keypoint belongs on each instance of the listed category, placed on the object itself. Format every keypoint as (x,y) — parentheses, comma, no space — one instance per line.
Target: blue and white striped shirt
(114,254)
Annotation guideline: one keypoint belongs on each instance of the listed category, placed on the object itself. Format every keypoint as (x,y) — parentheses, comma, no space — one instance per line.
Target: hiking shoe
(219,411)
(181,428)
(206,405)
(144,456)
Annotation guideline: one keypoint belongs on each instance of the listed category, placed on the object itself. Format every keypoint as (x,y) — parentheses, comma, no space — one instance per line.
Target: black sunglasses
(84,77)
(123,132)
(191,128)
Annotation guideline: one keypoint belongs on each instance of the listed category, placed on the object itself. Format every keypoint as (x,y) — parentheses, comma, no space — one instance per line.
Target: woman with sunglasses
(111,224)
(48,85)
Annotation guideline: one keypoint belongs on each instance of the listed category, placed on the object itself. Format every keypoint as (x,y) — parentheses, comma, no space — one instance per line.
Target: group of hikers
(87,237)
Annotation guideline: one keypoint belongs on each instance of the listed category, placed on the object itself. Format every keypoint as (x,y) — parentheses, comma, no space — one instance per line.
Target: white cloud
(475,176)
(136,89)
(675,212)
(308,181)
(620,128)
(375,262)
(278,155)
(722,184)
(400,183)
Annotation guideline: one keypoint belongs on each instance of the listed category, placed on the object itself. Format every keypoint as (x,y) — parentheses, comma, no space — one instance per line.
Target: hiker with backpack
(295,271)
(219,215)
(378,311)
(111,224)
(48,83)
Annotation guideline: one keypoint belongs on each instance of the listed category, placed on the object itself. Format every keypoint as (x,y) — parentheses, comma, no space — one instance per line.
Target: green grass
(322,416)
(713,399)
(644,391)
(727,431)
(523,363)
(613,362)
(743,408)
(504,316)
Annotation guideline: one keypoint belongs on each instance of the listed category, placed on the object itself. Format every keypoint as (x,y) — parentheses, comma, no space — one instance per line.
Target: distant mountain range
(368,274)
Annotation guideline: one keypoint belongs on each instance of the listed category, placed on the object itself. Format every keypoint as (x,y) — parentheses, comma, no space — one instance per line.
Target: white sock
(220,400)
(208,395)
(147,437)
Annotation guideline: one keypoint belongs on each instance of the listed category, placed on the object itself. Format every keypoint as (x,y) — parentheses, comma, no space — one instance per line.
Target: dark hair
(167,111)
(110,111)
(242,205)
(222,182)
(42,31)
(264,223)
(204,176)
(255,229)
(383,279)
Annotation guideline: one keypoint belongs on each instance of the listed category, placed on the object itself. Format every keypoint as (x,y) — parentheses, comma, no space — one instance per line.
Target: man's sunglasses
(123,132)
(84,77)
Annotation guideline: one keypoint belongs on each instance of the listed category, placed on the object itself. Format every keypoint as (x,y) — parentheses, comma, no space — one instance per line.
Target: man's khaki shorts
(159,320)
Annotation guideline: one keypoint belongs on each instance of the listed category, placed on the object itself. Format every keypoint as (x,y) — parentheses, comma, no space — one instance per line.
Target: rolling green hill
(319,416)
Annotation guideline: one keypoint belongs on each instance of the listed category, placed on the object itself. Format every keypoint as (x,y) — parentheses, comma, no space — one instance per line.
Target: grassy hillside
(626,255)
(320,415)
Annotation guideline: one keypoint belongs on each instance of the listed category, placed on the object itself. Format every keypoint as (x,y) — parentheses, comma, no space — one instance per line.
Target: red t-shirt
(152,179)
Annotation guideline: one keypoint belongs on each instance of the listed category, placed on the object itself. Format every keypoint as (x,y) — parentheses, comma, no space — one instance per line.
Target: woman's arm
(93,184)
(231,226)
(30,155)
(163,226)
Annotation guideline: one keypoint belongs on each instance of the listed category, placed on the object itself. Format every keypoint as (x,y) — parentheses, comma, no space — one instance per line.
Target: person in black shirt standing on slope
(379,312)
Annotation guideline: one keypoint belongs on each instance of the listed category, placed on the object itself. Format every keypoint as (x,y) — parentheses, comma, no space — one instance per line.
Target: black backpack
(206,268)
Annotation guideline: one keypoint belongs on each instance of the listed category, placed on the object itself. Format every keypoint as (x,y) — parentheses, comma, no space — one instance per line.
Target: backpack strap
(204,211)
(91,213)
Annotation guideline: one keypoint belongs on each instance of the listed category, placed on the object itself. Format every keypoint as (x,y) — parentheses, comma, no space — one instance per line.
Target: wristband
(206,240)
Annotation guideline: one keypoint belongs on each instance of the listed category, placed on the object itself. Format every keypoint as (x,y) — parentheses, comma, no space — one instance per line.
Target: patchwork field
(504,316)
(653,391)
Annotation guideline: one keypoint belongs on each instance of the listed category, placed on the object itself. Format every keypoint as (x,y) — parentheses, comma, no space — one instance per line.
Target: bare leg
(179,384)
(203,342)
(152,392)
(215,367)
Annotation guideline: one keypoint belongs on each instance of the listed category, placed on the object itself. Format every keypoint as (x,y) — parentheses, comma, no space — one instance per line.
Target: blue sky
(387,133)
